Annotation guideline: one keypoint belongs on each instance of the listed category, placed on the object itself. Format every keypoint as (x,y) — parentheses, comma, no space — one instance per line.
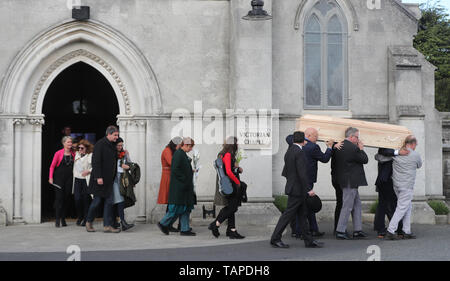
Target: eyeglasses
(80,148)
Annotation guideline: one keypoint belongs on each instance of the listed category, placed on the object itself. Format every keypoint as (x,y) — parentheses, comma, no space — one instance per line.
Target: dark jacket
(181,189)
(314,154)
(104,165)
(295,172)
(349,165)
(384,168)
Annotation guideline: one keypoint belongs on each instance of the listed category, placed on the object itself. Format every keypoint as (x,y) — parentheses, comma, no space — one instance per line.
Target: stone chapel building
(135,62)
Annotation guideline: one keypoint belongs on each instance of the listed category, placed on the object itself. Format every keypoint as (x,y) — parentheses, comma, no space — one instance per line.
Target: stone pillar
(406,109)
(133,132)
(19,123)
(7,168)
(251,89)
(27,169)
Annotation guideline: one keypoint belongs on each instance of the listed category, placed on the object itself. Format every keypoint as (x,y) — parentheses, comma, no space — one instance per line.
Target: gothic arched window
(325,57)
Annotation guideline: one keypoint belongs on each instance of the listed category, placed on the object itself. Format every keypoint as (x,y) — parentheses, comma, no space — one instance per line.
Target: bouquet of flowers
(240,155)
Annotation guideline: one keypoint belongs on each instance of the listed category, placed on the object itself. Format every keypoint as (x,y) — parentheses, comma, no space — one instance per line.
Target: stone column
(7,168)
(18,123)
(27,169)
(406,109)
(33,197)
(251,89)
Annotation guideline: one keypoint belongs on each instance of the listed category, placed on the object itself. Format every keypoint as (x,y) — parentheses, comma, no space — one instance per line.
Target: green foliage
(439,207)
(433,41)
(373,207)
(281,202)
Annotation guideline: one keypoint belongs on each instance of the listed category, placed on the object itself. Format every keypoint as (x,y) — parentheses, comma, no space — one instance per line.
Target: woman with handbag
(61,177)
(118,200)
(232,201)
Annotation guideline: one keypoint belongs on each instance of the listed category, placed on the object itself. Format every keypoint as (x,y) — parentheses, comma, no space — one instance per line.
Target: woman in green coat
(182,197)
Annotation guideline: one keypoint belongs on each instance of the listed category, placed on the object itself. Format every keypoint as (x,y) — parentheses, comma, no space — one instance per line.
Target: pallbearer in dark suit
(297,190)
(313,155)
(350,175)
(387,200)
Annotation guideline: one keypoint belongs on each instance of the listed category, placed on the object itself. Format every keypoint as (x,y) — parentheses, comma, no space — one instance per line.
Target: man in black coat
(350,175)
(104,169)
(297,191)
(313,155)
(387,200)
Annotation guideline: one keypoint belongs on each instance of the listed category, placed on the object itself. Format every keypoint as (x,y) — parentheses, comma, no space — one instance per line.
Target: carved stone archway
(23,92)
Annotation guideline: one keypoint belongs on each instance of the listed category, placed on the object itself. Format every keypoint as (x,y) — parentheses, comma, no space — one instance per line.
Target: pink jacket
(56,161)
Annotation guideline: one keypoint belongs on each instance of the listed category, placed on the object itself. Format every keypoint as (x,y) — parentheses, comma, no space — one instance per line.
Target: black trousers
(310,216)
(387,203)
(82,198)
(337,211)
(62,197)
(228,212)
(296,206)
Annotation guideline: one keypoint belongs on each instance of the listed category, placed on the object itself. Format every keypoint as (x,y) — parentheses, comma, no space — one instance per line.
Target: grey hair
(65,138)
(111,130)
(350,131)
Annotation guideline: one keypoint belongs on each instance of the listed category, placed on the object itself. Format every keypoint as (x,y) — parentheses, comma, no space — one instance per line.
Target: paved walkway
(146,242)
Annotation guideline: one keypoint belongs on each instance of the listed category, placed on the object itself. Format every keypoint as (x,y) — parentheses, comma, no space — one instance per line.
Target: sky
(444,3)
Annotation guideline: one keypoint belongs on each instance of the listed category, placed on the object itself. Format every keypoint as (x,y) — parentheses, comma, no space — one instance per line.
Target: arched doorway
(79,97)
(24,91)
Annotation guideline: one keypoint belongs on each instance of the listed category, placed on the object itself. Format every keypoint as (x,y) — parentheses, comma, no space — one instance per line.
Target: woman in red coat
(166,163)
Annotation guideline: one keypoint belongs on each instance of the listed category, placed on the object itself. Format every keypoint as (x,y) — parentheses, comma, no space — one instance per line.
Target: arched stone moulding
(104,48)
(346,5)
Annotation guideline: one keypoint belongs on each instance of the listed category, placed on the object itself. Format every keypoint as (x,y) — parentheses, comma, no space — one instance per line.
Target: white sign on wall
(255,138)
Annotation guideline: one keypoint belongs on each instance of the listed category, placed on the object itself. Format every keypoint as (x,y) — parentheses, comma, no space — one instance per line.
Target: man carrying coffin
(297,190)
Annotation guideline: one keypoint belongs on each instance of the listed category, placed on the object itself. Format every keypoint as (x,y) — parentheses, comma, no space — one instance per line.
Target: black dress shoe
(173,229)
(359,235)
(317,234)
(342,236)
(83,223)
(126,226)
(57,224)
(63,222)
(314,244)
(187,233)
(164,229)
(279,244)
(79,222)
(214,229)
(391,236)
(409,236)
(234,235)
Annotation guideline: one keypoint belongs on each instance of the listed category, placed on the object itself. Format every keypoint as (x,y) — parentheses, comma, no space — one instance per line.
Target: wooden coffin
(370,133)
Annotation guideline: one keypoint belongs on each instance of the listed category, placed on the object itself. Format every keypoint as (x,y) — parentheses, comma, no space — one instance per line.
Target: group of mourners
(97,171)
(177,188)
(395,184)
(93,175)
